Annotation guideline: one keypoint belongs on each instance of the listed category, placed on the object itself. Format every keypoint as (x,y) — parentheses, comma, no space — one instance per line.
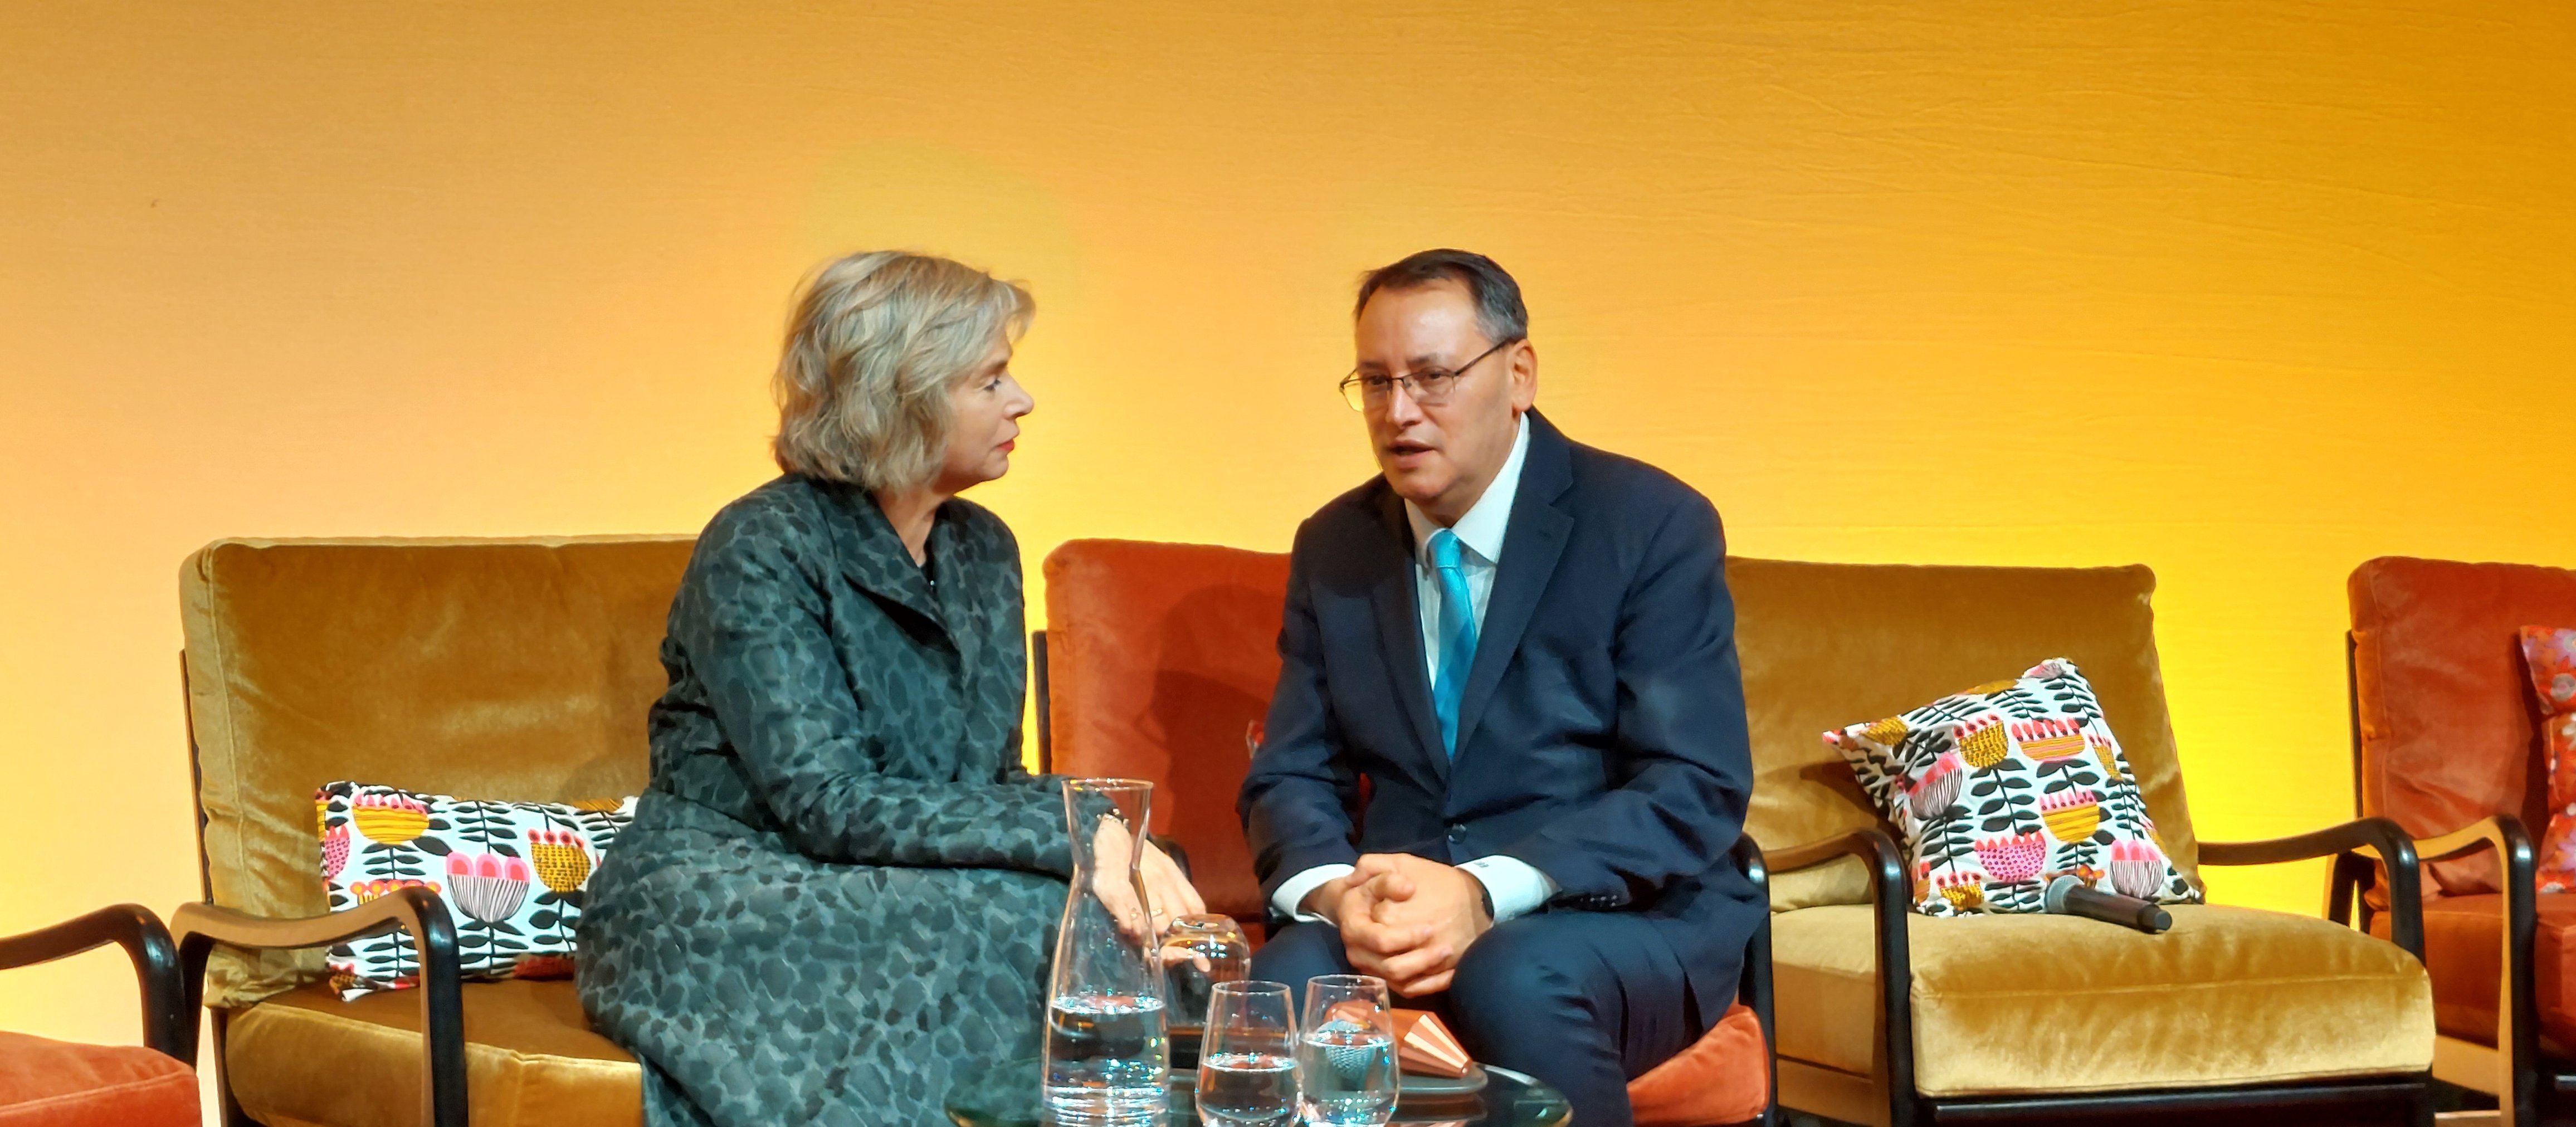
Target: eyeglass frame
(1411,381)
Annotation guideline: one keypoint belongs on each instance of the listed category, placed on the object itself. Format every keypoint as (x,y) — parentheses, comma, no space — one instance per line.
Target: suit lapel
(1531,546)
(1399,628)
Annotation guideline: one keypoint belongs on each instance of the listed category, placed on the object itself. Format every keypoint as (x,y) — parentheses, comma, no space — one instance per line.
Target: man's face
(1441,456)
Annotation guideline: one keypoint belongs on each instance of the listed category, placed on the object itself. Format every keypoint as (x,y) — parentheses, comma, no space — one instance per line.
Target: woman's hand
(1168,893)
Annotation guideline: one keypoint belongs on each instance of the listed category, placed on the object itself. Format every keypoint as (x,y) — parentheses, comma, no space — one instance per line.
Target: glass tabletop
(1006,1095)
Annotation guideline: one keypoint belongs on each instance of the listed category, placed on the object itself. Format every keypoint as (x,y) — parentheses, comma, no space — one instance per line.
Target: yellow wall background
(2248,292)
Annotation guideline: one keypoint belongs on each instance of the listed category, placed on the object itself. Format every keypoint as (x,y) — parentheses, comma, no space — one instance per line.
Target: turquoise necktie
(1457,636)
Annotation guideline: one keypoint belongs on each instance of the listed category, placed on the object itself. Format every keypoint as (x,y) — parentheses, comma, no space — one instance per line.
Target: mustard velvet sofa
(514,670)
(523,670)
(1887,1017)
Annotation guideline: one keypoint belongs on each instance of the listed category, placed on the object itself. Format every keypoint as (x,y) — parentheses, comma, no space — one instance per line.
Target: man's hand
(1408,920)
(1168,894)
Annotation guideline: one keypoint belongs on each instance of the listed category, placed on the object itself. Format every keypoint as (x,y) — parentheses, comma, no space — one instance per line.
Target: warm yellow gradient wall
(2248,292)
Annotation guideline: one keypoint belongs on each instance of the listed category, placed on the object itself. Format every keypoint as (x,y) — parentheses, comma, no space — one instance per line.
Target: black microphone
(2067,896)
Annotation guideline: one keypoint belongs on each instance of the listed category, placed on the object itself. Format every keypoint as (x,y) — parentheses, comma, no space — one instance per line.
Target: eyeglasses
(1429,387)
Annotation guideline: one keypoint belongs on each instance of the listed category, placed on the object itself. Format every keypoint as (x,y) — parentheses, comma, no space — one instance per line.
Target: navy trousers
(1584,1001)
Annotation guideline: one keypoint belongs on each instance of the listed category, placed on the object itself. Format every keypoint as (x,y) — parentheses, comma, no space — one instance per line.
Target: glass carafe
(1107,1053)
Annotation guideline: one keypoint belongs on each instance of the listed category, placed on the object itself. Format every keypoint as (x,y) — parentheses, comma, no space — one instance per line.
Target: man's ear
(1524,369)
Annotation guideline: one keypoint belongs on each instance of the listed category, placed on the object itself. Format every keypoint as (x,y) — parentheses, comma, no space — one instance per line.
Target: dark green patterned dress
(840,889)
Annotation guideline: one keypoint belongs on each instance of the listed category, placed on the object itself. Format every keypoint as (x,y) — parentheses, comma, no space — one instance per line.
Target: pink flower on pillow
(2562,688)
(486,886)
(2012,860)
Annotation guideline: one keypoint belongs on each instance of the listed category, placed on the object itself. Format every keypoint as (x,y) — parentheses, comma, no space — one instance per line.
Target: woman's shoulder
(786,516)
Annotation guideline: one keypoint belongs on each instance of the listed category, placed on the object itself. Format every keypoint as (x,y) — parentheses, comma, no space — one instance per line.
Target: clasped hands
(1405,919)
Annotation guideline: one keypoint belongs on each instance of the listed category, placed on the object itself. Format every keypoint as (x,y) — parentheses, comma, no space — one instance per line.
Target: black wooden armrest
(1890,905)
(169,1024)
(199,927)
(2360,838)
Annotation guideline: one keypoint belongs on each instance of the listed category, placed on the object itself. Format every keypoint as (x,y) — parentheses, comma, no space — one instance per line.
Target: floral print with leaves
(512,874)
(2007,786)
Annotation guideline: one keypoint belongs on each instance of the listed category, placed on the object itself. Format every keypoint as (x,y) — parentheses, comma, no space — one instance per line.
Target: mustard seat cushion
(307,1059)
(2033,1003)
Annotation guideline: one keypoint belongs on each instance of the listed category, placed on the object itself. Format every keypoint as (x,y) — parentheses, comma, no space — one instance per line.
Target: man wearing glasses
(1524,646)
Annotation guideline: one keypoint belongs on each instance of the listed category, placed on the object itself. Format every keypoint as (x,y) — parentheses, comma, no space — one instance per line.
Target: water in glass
(1346,1069)
(1106,1058)
(1247,1073)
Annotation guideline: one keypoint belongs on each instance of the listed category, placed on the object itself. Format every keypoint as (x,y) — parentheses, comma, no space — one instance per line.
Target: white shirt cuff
(1292,892)
(1518,888)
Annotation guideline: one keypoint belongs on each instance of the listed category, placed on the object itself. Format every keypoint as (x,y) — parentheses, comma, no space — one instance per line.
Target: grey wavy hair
(876,342)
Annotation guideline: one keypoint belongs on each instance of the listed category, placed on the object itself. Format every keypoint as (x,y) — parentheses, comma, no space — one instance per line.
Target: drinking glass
(1346,1075)
(1247,1061)
(1199,953)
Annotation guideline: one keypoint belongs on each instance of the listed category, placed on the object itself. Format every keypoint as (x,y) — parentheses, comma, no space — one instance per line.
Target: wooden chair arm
(169,1024)
(416,910)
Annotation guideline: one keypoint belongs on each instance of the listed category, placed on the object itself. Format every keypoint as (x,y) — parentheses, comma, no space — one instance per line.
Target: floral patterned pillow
(2551,654)
(2003,788)
(512,874)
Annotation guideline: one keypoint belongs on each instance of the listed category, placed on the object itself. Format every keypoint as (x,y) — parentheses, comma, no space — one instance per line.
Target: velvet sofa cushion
(1824,644)
(306,1057)
(1160,661)
(2549,654)
(47,1083)
(2443,699)
(2025,1004)
(2464,949)
(517,670)
(1724,1077)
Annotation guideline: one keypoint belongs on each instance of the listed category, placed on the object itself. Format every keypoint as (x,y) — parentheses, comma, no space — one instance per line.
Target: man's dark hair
(1499,312)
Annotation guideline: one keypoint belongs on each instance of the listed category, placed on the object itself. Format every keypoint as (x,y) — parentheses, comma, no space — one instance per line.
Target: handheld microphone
(2067,896)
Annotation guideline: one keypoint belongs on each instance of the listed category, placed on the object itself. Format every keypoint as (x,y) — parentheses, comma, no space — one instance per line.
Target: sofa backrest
(1160,661)
(2447,721)
(502,669)
(1828,645)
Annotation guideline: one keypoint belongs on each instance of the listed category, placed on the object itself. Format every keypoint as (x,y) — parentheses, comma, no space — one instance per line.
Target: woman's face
(984,410)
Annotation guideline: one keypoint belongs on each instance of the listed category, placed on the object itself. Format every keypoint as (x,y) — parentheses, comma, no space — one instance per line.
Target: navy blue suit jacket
(1601,738)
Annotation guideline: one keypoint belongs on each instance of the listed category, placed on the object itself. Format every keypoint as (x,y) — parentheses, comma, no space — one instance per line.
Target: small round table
(1006,1095)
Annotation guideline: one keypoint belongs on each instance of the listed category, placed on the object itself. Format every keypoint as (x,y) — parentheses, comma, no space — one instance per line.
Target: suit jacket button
(1457,833)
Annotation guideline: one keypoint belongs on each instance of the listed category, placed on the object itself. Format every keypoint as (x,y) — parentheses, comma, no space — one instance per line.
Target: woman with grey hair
(840,888)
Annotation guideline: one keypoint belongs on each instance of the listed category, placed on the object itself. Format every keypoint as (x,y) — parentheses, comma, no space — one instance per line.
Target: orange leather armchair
(46,1083)
(1158,662)
(2445,743)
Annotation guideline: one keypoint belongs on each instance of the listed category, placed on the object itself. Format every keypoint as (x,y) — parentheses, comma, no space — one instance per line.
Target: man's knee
(1517,967)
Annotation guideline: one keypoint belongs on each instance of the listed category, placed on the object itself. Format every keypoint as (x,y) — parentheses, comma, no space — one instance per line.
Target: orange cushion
(1160,661)
(2443,698)
(58,1084)
(2464,951)
(1723,1078)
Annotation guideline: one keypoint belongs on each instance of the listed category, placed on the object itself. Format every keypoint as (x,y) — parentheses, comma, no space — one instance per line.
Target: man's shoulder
(1627,489)
(1359,511)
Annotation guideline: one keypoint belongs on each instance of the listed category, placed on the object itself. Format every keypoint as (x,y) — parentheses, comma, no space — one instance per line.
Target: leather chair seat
(45,1083)
(1724,1077)
(2033,1003)
(307,1059)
